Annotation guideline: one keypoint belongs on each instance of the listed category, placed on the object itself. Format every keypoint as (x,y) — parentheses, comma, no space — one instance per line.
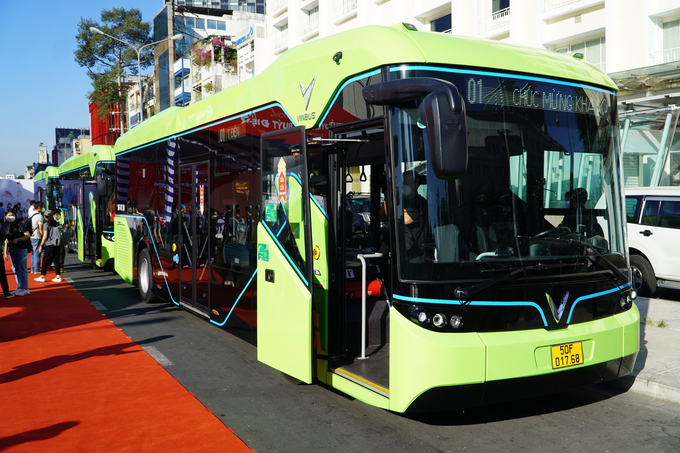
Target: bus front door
(194,236)
(85,223)
(284,256)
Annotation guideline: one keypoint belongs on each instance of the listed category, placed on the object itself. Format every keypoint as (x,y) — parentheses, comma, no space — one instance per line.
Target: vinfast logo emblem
(307,92)
(306,96)
(557,312)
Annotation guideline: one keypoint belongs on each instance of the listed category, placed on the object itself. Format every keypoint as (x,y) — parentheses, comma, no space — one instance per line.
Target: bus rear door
(284,256)
(194,236)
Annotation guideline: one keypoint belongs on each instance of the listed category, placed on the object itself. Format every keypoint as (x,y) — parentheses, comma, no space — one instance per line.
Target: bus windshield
(542,165)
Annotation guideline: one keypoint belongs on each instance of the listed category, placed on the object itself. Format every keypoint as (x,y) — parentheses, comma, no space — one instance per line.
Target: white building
(42,154)
(620,37)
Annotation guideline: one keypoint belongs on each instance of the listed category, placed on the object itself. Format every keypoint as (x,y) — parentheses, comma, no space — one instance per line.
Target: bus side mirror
(101,182)
(442,111)
(60,191)
(446,134)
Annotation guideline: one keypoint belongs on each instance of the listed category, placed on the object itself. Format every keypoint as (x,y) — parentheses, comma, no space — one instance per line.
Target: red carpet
(70,381)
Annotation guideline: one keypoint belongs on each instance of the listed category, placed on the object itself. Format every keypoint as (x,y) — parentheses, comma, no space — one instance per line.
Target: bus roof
(50,172)
(98,153)
(363,49)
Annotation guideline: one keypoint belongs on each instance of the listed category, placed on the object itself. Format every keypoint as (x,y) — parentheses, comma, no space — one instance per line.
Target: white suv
(653,215)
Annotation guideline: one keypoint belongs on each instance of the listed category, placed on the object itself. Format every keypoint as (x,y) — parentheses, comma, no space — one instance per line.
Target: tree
(106,59)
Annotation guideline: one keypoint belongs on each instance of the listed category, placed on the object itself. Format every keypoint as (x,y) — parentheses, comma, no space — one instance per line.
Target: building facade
(64,143)
(205,61)
(636,42)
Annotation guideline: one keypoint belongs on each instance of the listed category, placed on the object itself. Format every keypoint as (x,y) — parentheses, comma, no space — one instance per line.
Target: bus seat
(446,242)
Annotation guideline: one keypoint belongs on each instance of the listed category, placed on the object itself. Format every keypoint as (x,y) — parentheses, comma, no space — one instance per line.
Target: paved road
(273,415)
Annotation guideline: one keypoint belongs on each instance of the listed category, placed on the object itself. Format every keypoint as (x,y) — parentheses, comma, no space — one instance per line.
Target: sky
(44,87)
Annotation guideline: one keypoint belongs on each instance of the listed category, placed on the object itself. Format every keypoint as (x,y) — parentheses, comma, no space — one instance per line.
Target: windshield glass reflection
(542,163)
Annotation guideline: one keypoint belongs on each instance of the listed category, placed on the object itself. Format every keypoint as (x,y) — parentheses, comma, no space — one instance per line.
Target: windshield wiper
(468,291)
(617,272)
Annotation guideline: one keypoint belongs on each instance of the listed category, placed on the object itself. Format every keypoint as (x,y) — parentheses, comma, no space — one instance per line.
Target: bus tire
(644,280)
(145,276)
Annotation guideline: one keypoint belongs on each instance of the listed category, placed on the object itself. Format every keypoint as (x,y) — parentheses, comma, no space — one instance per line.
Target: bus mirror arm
(442,112)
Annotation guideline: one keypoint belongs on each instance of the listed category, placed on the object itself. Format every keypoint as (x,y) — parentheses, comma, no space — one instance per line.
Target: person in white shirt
(37,221)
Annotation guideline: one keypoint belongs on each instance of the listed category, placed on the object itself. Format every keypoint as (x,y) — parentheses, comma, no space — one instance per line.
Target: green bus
(46,187)
(418,220)
(87,203)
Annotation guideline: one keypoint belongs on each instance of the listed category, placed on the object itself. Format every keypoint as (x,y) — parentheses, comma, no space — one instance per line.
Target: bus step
(371,373)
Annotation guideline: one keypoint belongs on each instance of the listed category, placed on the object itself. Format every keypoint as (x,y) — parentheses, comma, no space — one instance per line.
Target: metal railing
(311,24)
(342,7)
(364,288)
(666,56)
(281,39)
(495,21)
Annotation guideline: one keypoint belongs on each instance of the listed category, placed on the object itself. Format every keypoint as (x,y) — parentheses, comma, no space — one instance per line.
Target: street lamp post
(139,61)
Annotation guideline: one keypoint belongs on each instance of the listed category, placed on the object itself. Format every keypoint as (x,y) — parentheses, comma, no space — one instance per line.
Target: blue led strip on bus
(590,296)
(474,303)
(342,87)
(236,301)
(155,251)
(290,261)
(499,74)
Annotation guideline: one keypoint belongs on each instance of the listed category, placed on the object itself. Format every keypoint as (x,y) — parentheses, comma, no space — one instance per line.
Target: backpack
(27,224)
(63,235)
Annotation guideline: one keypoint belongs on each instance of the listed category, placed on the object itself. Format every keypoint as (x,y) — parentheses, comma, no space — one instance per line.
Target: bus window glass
(282,175)
(540,160)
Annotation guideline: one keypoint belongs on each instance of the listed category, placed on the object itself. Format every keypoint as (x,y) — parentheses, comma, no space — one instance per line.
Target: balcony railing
(494,22)
(311,25)
(666,56)
(344,7)
(276,7)
(281,41)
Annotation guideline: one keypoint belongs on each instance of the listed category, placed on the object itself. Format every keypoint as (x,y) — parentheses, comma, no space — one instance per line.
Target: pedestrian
(37,221)
(50,245)
(19,211)
(18,243)
(3,274)
(31,209)
(2,210)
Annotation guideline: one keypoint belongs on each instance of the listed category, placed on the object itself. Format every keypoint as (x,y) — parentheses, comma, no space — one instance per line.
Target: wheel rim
(144,276)
(638,280)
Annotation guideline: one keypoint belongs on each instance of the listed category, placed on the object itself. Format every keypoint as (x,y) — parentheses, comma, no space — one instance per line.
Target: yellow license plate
(565,355)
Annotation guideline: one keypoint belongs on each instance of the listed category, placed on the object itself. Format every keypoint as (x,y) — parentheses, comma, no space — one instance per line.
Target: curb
(647,388)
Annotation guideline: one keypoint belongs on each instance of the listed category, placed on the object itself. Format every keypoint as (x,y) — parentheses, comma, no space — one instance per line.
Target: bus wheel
(644,280)
(144,276)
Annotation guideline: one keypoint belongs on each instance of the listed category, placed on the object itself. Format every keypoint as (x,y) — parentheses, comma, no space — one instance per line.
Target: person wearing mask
(31,209)
(37,232)
(50,245)
(17,244)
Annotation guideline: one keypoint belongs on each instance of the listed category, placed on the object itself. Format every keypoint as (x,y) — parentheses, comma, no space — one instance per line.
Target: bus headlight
(419,316)
(456,321)
(439,320)
(626,301)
